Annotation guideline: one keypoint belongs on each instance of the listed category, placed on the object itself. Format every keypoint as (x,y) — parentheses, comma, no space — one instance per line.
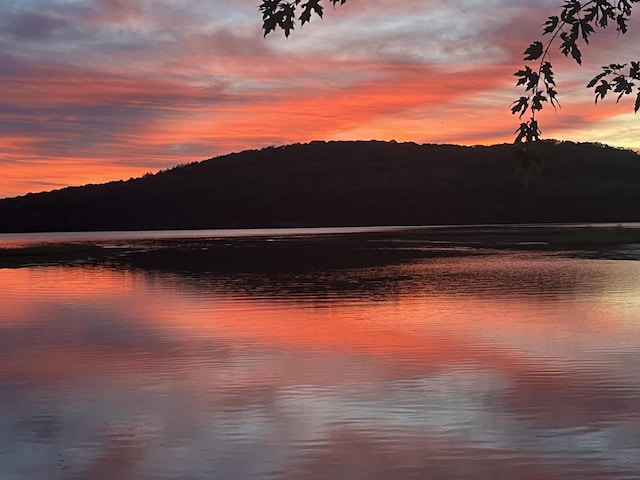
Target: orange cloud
(183,84)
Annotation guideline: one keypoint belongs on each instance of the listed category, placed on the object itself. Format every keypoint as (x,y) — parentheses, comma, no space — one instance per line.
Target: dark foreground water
(503,365)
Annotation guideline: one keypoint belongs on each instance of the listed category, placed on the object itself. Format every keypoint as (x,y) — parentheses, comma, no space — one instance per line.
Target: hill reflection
(320,269)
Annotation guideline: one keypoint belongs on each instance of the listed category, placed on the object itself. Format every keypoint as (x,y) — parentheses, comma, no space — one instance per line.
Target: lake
(182,361)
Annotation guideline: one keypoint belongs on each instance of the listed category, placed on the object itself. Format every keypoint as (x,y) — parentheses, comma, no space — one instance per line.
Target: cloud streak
(106,89)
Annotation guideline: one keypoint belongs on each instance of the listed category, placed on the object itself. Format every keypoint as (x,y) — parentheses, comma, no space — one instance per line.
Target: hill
(349,183)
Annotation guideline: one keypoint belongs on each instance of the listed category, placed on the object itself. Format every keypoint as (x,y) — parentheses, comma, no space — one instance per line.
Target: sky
(100,90)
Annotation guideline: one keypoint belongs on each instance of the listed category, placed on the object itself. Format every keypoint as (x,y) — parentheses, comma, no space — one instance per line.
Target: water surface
(501,365)
(23,239)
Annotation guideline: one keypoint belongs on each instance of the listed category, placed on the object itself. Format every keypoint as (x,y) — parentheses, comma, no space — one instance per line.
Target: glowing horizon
(100,90)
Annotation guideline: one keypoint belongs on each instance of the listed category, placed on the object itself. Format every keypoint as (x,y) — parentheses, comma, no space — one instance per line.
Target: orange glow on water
(143,362)
(431,332)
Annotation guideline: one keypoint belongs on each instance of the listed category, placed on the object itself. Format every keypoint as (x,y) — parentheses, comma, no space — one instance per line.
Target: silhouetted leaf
(622,24)
(552,97)
(523,76)
(586,29)
(637,105)
(547,71)
(576,54)
(308,8)
(602,89)
(591,14)
(532,81)
(521,133)
(520,106)
(528,131)
(537,100)
(571,8)
(622,86)
(282,14)
(551,24)
(534,51)
(595,79)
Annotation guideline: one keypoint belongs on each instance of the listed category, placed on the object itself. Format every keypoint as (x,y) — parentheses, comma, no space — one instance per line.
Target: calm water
(505,365)
(118,237)
(23,239)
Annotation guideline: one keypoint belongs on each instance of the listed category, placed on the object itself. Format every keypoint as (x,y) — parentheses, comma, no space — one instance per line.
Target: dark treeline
(350,183)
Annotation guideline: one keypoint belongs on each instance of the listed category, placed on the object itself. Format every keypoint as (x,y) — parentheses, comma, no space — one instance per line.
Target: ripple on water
(510,366)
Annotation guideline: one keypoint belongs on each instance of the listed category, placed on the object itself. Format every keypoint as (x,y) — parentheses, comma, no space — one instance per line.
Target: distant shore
(358,183)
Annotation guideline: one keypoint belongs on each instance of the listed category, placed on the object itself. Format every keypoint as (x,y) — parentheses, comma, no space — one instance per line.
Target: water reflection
(504,365)
(308,270)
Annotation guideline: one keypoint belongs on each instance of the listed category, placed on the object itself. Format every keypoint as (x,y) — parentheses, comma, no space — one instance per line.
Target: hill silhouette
(349,183)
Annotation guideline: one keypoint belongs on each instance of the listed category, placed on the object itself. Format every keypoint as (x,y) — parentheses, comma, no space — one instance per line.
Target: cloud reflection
(153,373)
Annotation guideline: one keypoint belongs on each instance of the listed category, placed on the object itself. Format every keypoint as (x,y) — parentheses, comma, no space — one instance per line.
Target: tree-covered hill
(350,183)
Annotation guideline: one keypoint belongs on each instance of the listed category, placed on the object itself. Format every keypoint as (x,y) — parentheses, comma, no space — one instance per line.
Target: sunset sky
(99,90)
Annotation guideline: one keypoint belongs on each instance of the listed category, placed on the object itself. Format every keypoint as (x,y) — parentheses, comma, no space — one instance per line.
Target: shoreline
(369,245)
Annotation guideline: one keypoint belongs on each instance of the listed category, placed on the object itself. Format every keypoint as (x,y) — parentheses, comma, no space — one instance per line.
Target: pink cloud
(178,85)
